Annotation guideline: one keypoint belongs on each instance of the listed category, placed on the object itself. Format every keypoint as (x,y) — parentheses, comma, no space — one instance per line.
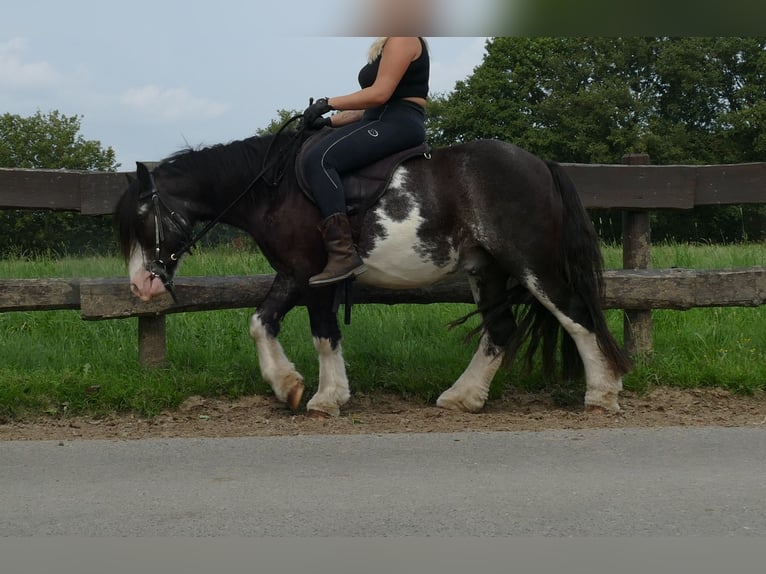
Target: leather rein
(158,268)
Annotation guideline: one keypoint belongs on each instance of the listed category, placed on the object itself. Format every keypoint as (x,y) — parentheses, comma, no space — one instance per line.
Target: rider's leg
(381,132)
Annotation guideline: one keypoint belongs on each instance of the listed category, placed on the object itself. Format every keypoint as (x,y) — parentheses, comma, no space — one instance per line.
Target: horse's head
(153,233)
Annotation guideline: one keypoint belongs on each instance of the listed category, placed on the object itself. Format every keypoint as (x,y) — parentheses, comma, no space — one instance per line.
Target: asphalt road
(659,482)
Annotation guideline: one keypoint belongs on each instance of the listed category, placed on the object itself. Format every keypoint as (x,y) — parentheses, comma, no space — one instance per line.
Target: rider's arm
(398,53)
(346,117)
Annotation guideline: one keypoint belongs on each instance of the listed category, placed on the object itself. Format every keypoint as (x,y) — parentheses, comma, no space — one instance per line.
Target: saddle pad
(364,186)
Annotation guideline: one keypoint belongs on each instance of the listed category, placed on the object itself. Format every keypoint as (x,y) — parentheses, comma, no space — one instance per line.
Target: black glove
(320,123)
(315,110)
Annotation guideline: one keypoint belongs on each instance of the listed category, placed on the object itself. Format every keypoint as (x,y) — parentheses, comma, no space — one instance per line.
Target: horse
(510,220)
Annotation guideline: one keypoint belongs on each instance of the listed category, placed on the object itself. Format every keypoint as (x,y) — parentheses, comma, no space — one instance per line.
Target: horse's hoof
(315,414)
(325,408)
(294,397)
(600,410)
(463,405)
(595,409)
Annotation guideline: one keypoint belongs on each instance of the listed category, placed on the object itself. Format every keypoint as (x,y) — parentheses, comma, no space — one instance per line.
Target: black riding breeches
(381,132)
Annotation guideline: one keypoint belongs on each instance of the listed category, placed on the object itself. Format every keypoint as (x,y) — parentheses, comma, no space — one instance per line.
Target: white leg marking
(470,391)
(333,391)
(602,385)
(276,368)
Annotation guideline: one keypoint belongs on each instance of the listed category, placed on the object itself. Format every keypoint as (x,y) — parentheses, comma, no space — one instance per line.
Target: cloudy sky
(150,77)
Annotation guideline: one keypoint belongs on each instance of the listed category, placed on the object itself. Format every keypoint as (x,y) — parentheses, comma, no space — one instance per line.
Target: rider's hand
(315,111)
(320,123)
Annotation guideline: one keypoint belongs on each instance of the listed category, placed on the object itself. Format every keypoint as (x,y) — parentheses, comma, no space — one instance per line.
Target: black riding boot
(342,259)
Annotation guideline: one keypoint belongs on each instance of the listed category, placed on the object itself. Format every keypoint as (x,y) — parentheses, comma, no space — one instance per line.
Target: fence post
(151,341)
(636,254)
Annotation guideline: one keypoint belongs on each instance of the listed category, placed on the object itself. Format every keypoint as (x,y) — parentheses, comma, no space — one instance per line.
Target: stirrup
(358,270)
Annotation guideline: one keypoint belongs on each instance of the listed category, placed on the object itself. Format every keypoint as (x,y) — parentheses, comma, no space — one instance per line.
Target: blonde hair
(376,49)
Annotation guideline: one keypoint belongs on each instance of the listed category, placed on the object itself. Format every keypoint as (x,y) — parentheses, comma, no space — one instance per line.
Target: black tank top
(414,83)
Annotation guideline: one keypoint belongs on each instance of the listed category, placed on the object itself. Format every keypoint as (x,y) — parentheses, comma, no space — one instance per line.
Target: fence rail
(634,187)
(110,298)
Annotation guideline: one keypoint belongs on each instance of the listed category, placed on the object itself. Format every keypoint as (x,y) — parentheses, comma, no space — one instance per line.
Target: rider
(386,116)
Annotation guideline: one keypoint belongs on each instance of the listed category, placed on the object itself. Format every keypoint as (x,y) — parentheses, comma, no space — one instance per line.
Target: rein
(158,269)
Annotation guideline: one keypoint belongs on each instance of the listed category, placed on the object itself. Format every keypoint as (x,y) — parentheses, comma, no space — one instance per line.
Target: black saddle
(365,186)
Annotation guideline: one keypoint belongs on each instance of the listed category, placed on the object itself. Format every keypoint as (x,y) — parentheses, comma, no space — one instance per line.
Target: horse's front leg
(276,368)
(333,391)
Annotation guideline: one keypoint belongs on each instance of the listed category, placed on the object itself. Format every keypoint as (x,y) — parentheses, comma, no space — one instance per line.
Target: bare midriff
(419,101)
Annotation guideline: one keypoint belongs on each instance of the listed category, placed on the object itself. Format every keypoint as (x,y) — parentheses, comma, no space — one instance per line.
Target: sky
(151,77)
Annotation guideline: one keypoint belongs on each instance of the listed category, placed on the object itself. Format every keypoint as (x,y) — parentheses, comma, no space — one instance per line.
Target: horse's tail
(582,269)
(530,326)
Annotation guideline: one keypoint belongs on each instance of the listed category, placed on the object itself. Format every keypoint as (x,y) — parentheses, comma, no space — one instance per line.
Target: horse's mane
(233,158)
(126,219)
(240,159)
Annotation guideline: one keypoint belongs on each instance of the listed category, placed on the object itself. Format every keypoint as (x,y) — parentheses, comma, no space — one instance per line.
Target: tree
(697,100)
(50,141)
(709,98)
(276,123)
(592,100)
(571,99)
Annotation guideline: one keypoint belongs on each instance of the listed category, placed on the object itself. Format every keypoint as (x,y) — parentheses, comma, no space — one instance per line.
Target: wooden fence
(635,187)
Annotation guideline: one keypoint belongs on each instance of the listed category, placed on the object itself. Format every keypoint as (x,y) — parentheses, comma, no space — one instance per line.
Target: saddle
(365,186)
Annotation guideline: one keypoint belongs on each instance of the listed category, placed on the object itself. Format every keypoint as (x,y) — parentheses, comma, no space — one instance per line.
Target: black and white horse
(511,221)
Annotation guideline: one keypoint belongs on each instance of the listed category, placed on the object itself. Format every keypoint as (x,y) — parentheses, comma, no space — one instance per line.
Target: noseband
(158,269)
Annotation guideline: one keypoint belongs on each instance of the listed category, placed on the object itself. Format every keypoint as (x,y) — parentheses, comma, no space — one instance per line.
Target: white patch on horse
(137,261)
(399,179)
(276,368)
(333,391)
(602,385)
(396,261)
(470,391)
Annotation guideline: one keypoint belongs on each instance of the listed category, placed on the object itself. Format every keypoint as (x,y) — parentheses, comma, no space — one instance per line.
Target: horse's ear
(144,178)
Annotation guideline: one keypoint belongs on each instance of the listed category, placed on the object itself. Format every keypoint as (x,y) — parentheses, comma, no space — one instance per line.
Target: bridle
(158,268)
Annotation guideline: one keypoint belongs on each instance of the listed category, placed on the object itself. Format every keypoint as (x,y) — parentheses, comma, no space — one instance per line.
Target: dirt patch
(379,413)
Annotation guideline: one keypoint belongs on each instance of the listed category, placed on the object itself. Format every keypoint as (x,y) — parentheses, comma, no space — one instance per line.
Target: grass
(51,361)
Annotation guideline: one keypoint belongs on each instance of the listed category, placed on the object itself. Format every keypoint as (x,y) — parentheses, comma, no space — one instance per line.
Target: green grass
(51,361)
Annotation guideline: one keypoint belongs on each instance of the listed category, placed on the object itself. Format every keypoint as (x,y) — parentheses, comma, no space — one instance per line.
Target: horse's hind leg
(489,287)
(276,368)
(333,390)
(602,378)
(470,391)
